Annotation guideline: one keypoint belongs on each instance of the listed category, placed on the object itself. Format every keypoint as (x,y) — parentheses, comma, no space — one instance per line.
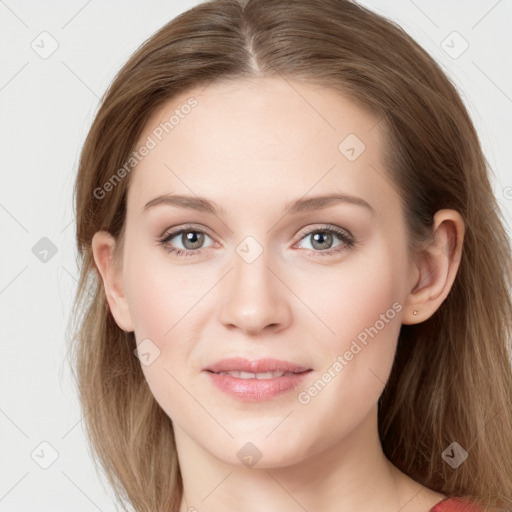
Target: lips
(259,366)
(257,380)
(258,375)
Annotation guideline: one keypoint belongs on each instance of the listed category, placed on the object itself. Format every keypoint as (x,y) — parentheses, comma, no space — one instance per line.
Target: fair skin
(251,147)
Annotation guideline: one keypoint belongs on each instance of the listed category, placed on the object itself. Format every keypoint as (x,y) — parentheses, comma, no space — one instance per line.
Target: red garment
(455,505)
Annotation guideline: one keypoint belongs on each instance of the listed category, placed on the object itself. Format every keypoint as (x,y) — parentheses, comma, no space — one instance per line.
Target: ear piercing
(415,312)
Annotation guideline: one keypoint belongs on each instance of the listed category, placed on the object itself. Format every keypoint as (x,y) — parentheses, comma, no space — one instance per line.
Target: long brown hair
(452,376)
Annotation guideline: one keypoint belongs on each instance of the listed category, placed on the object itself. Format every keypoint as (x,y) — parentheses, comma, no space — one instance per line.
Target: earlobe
(103,245)
(436,268)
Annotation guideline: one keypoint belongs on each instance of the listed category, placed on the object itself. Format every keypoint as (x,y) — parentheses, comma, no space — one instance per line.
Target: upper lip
(255,366)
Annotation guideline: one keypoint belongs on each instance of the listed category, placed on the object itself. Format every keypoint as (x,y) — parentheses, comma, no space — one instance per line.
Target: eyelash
(348,241)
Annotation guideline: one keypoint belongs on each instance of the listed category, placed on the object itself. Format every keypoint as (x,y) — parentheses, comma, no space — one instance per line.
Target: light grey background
(46,108)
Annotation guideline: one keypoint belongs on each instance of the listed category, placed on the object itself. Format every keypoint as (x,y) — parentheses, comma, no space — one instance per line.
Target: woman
(229,359)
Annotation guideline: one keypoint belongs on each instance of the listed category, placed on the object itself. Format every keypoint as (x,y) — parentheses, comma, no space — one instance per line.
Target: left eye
(322,240)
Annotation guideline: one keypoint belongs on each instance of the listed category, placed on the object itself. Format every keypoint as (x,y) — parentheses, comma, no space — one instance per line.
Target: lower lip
(257,390)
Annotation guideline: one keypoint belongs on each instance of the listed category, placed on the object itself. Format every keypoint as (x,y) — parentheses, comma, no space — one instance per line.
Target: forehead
(256,139)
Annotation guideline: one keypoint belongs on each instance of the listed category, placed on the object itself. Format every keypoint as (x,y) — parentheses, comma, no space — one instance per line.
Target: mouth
(260,375)
(255,367)
(256,380)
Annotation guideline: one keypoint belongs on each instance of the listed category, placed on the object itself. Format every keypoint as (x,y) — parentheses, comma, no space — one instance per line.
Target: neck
(353,474)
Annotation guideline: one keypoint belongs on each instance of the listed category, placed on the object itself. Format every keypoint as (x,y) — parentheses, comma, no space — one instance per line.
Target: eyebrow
(299,206)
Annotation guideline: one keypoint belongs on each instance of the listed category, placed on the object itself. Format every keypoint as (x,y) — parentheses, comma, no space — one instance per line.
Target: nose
(253,297)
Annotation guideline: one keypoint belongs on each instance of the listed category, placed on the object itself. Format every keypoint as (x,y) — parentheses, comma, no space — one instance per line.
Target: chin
(252,452)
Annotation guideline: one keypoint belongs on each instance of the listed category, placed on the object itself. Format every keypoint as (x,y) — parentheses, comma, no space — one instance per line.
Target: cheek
(346,301)
(166,302)
(360,308)
(161,293)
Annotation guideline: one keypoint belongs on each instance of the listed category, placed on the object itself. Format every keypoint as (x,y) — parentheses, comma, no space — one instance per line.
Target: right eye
(191,239)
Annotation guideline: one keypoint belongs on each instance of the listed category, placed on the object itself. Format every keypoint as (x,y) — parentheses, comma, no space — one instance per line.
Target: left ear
(435,268)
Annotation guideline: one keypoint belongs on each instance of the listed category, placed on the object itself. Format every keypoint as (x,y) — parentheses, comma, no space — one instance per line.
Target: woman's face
(267,270)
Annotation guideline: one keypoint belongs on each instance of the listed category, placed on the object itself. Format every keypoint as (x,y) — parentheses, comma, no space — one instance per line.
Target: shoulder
(455,505)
